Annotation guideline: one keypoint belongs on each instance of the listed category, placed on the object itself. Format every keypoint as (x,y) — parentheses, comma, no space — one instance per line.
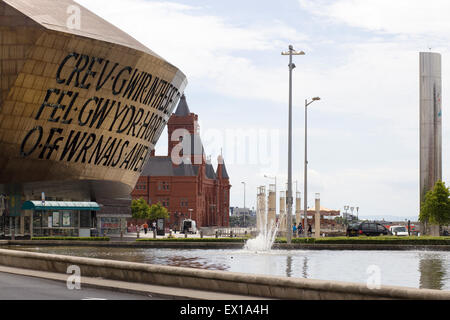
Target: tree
(435,208)
(339,220)
(140,209)
(158,211)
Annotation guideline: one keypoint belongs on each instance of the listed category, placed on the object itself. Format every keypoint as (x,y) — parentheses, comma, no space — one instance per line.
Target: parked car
(352,229)
(367,228)
(398,230)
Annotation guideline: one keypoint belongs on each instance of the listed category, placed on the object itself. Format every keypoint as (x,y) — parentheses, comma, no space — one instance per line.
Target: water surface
(418,269)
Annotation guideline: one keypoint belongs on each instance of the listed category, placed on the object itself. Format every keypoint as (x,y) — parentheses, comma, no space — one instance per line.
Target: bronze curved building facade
(82,104)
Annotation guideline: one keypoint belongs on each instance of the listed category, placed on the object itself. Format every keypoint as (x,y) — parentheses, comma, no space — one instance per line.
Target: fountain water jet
(266,236)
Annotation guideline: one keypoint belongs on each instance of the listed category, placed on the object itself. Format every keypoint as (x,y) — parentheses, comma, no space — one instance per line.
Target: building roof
(158,166)
(184,170)
(163,167)
(224,172)
(60,205)
(224,169)
(53,15)
(183,108)
(324,211)
(210,173)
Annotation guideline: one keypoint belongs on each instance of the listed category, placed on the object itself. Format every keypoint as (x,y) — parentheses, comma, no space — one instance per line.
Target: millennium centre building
(82,105)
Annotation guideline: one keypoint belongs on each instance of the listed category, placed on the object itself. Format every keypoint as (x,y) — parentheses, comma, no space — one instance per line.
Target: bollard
(170,233)
(201,234)
(121,235)
(154,234)
(217,234)
(185,234)
(137,234)
(231,234)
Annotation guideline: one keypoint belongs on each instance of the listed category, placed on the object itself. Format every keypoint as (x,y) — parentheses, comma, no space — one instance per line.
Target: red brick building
(185,181)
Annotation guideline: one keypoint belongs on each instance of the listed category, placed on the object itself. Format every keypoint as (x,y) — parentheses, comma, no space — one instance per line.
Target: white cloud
(369,82)
(210,50)
(400,16)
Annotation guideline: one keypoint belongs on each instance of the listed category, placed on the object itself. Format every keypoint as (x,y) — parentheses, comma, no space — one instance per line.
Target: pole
(245,213)
(289,197)
(317,218)
(306,174)
(244,202)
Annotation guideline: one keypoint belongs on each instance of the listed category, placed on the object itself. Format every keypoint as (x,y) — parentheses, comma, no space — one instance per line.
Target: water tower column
(261,221)
(430,122)
(282,215)
(317,217)
(272,204)
(298,211)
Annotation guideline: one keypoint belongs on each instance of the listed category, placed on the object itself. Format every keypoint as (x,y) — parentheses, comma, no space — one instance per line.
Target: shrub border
(412,240)
(72,238)
(240,239)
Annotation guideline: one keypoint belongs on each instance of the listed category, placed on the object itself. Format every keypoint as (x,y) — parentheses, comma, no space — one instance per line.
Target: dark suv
(367,228)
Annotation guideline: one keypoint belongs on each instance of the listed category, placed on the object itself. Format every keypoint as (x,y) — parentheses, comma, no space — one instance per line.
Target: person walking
(145,227)
(309,230)
(294,230)
(300,229)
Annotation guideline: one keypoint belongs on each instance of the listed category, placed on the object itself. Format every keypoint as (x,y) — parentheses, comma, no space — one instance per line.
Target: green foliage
(140,209)
(435,208)
(241,239)
(157,211)
(339,220)
(72,238)
(411,240)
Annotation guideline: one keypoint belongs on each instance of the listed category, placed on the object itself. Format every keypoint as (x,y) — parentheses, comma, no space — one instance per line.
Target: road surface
(18,287)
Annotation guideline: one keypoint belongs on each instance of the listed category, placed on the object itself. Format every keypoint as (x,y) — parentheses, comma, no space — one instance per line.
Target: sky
(362,60)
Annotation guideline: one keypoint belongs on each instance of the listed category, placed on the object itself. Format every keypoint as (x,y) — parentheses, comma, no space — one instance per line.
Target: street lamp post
(306,163)
(289,201)
(244,201)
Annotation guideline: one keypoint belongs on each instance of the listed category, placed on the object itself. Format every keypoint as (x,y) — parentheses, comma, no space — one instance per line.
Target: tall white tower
(430,122)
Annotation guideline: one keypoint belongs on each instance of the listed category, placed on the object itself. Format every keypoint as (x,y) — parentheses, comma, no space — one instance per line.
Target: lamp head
(315,98)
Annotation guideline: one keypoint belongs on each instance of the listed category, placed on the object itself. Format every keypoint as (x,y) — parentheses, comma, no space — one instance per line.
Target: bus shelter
(62,218)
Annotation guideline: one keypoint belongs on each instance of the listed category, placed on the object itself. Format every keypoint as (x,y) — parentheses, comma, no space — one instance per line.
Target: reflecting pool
(418,269)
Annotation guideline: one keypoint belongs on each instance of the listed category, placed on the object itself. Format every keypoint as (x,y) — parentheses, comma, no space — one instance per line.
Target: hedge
(423,240)
(72,238)
(411,240)
(197,239)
